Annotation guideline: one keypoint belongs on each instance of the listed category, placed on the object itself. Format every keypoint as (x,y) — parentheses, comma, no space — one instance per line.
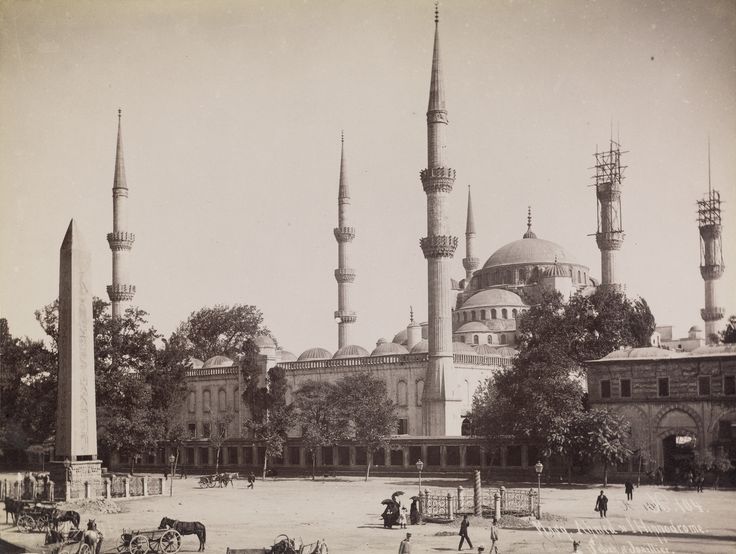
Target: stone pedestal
(82,480)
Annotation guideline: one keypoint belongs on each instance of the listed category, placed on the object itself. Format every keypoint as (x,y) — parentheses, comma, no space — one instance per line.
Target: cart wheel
(42,523)
(84,548)
(170,541)
(138,545)
(26,524)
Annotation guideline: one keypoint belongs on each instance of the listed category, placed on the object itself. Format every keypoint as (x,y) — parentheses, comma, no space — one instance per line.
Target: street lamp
(538,467)
(420,466)
(172,459)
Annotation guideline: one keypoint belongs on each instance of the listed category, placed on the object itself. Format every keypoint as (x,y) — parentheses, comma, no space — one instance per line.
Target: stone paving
(345,512)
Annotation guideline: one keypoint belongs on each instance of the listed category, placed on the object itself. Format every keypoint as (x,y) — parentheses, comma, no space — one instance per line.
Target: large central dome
(529,251)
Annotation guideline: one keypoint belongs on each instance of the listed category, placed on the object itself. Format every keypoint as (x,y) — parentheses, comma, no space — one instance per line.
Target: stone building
(676,402)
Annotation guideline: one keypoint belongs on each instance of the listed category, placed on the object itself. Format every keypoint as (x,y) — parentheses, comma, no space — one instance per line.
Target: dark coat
(464,524)
(601,503)
(629,486)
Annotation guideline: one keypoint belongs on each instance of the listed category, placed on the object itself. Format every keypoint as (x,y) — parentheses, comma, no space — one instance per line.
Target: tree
(218,434)
(601,436)
(728,335)
(220,330)
(363,400)
(318,414)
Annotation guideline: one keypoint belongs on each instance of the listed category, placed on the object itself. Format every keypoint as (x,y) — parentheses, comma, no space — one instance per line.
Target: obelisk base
(73,480)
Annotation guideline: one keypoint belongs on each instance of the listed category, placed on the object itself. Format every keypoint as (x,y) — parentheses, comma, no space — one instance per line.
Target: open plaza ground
(345,511)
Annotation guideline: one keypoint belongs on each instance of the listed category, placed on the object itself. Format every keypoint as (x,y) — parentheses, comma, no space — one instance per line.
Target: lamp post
(172,459)
(539,467)
(420,466)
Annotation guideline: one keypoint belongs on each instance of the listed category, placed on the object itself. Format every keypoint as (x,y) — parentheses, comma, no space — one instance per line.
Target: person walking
(629,486)
(601,504)
(494,537)
(405,545)
(464,524)
(251,480)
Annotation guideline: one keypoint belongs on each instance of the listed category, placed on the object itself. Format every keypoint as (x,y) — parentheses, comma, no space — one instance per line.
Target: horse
(60,516)
(14,508)
(93,537)
(186,528)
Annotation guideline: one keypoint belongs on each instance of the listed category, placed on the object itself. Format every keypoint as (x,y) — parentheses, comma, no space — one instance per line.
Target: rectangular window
(625,388)
(206,430)
(605,388)
(729,385)
(192,427)
(704,386)
(403,427)
(663,386)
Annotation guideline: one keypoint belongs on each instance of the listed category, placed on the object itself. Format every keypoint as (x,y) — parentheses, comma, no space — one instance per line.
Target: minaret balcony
(438,246)
(471,264)
(344,275)
(344,234)
(121,293)
(712,314)
(120,240)
(610,240)
(345,316)
(437,179)
(711,272)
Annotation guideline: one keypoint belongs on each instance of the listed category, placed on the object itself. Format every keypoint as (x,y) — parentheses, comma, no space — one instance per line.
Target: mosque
(431,369)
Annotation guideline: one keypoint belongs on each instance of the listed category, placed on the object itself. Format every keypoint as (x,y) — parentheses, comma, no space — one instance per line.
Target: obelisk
(76,472)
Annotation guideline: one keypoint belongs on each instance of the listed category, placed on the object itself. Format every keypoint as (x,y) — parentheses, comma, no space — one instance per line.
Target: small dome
(194,363)
(695,329)
(381,341)
(462,348)
(286,356)
(493,297)
(400,337)
(316,353)
(473,327)
(264,341)
(645,352)
(387,348)
(420,347)
(218,361)
(351,351)
(506,351)
(557,270)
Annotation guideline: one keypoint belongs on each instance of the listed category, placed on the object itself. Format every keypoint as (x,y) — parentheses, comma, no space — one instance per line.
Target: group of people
(405,545)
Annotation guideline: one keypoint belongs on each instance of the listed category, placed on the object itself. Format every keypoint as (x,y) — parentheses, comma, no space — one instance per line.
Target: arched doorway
(466,429)
(678,451)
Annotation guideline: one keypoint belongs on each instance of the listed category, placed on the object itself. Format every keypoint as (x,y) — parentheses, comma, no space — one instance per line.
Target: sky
(232,113)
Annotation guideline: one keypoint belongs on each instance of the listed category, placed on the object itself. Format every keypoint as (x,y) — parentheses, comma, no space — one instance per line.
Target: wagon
(141,541)
(73,543)
(209,481)
(284,545)
(34,517)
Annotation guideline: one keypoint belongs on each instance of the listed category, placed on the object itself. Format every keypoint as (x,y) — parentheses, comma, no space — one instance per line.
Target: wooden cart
(142,541)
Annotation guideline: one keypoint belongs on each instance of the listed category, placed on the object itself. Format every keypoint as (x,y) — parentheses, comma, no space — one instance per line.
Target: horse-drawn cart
(70,543)
(222,479)
(142,541)
(35,517)
(284,545)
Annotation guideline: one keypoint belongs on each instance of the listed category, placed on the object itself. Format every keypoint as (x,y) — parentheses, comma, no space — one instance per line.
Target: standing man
(464,524)
(251,480)
(601,504)
(405,545)
(629,486)
(494,537)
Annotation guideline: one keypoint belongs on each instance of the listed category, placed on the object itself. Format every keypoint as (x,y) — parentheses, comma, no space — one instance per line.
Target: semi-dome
(473,327)
(351,351)
(529,251)
(264,341)
(194,363)
(286,356)
(316,353)
(388,348)
(421,347)
(493,297)
(218,361)
(462,348)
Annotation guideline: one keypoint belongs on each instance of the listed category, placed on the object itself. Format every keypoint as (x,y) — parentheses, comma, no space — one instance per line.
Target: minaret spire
(344,274)
(529,233)
(470,262)
(440,413)
(120,240)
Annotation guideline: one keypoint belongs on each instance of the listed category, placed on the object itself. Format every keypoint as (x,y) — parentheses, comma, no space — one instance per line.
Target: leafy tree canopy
(728,335)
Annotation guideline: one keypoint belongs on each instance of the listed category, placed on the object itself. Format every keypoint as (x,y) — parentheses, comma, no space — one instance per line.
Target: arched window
(514,313)
(236,399)
(475,339)
(579,277)
(505,313)
(402,394)
(493,313)
(482,315)
(490,339)
(465,316)
(465,428)
(420,391)
(503,339)
(206,400)
(462,338)
(472,315)
(222,400)
(467,392)
(585,278)
(192,401)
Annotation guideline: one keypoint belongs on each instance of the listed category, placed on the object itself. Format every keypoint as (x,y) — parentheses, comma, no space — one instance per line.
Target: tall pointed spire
(119,179)
(436,86)
(344,274)
(470,262)
(529,233)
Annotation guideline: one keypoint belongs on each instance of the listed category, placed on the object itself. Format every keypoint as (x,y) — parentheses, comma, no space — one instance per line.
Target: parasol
(387,501)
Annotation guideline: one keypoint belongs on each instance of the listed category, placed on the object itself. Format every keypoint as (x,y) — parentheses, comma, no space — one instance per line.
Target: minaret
(344,274)
(470,262)
(529,233)
(610,235)
(439,415)
(120,240)
(711,256)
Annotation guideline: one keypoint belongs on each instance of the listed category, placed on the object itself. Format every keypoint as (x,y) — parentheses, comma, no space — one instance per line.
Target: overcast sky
(232,114)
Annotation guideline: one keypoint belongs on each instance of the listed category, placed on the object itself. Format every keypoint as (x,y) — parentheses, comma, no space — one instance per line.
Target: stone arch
(662,433)
(222,399)
(206,400)
(504,313)
(402,394)
(714,425)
